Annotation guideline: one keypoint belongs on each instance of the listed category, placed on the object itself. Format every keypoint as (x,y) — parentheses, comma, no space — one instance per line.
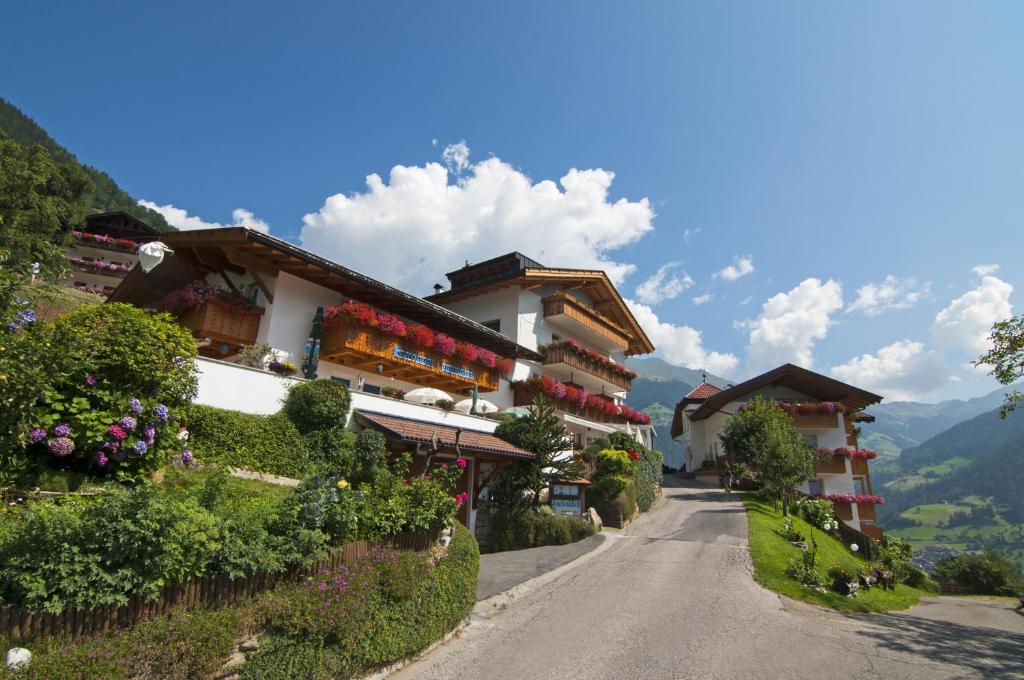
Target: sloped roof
(422,432)
(515,268)
(703,391)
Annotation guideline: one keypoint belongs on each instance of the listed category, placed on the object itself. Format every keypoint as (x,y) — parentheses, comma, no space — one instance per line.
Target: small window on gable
(493,324)
(815,487)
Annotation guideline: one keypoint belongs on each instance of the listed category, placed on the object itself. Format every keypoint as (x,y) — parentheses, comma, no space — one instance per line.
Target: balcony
(573,365)
(118,269)
(363,348)
(844,510)
(866,511)
(859,467)
(832,465)
(121,245)
(222,324)
(523,394)
(578,320)
(815,421)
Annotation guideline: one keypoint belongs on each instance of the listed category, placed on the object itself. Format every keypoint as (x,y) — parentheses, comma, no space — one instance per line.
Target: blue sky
(822,142)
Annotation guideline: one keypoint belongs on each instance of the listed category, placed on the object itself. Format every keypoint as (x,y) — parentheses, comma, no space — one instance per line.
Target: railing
(523,395)
(567,305)
(833,465)
(844,510)
(816,421)
(121,245)
(859,466)
(865,544)
(569,357)
(350,343)
(223,324)
(18,624)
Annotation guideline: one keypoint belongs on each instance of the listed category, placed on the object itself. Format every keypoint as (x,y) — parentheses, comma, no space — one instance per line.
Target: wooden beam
(243,259)
(231,285)
(263,287)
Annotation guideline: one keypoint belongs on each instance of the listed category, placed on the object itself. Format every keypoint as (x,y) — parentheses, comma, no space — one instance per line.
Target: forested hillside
(106,194)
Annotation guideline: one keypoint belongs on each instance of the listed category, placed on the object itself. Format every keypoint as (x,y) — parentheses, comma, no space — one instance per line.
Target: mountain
(657,389)
(106,196)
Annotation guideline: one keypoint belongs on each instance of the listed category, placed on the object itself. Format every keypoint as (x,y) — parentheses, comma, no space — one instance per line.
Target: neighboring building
(105,251)
(824,411)
(579,324)
(379,340)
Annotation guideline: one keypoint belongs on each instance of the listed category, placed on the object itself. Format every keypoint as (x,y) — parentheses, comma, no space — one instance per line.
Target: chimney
(438,288)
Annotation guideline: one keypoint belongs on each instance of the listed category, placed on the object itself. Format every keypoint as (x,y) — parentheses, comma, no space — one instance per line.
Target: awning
(414,431)
(583,422)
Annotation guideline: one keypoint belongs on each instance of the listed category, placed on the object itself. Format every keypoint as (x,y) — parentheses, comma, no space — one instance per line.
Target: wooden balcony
(859,466)
(871,531)
(567,362)
(816,421)
(585,322)
(222,325)
(523,395)
(833,465)
(363,348)
(844,510)
(866,511)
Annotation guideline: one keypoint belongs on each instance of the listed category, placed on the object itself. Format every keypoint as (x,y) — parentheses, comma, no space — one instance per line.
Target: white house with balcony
(824,410)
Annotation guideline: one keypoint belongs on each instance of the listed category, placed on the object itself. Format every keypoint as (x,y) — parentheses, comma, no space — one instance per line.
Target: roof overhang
(237,249)
(802,380)
(418,432)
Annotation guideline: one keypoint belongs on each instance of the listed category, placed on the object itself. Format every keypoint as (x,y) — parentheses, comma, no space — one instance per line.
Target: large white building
(824,411)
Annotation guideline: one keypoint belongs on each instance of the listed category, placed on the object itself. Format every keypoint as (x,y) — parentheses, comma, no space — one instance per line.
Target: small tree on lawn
(540,432)
(762,436)
(1006,358)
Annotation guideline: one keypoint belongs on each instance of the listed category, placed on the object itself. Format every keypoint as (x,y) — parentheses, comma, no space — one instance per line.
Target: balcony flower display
(505,367)
(100,239)
(100,266)
(809,408)
(391,325)
(466,352)
(853,498)
(420,335)
(591,355)
(486,357)
(199,292)
(444,345)
(574,398)
(361,314)
(856,454)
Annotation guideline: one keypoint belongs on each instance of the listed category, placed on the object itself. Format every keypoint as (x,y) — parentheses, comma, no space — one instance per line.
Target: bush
(894,554)
(516,528)
(649,477)
(989,573)
(317,405)
(385,608)
(919,578)
(817,512)
(840,573)
(270,444)
(804,569)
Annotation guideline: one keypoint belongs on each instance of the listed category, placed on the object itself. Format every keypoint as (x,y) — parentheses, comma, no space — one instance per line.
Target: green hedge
(270,444)
(518,528)
(648,478)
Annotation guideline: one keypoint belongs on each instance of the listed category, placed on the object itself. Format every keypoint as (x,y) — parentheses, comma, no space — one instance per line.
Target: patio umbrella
(482,406)
(517,411)
(426,395)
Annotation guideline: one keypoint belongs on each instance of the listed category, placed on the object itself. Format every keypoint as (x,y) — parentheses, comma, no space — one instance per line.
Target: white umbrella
(426,395)
(482,406)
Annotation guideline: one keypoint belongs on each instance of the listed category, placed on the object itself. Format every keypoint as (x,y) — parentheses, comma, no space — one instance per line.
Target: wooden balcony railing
(222,324)
(833,465)
(866,511)
(363,348)
(563,304)
(573,359)
(523,395)
(844,510)
(859,466)
(816,421)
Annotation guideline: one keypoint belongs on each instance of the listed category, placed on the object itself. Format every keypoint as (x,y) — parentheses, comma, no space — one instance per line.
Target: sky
(839,185)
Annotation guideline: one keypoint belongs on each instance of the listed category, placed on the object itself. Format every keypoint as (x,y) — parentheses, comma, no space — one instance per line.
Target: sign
(570,490)
(566,506)
(413,357)
(457,370)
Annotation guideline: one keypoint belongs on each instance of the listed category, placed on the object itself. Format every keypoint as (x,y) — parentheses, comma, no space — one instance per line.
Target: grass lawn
(771,553)
(237,487)
(934,514)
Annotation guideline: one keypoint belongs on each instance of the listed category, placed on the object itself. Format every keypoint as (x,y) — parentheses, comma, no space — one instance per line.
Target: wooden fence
(865,544)
(18,624)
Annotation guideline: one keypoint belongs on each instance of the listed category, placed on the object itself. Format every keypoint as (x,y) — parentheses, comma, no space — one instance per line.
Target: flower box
(221,323)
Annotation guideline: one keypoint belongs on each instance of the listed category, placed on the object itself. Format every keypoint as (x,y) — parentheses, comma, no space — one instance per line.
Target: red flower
(486,357)
(421,336)
(505,367)
(634,455)
(466,352)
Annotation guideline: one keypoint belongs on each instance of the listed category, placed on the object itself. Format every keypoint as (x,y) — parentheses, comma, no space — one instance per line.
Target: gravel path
(672,597)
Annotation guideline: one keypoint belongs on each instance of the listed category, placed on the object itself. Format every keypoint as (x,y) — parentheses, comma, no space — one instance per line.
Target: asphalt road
(673,597)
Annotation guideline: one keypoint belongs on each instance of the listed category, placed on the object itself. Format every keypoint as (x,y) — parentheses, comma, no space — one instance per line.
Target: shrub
(520,527)
(804,569)
(840,573)
(649,477)
(317,405)
(270,444)
(989,573)
(919,578)
(894,554)
(371,451)
(817,512)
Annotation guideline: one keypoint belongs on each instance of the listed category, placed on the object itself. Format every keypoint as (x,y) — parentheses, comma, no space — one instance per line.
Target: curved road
(672,597)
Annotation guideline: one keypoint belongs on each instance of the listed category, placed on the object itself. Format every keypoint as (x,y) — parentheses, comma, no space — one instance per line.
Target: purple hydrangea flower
(117,455)
(37,435)
(100,459)
(135,406)
(62,430)
(162,412)
(90,380)
(149,431)
(186,456)
(141,447)
(128,423)
(117,432)
(111,446)
(61,446)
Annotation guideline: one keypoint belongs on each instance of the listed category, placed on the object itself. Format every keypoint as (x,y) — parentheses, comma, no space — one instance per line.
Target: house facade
(105,250)
(336,323)
(825,411)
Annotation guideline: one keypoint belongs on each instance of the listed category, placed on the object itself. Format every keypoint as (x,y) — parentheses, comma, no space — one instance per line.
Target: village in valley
(447,428)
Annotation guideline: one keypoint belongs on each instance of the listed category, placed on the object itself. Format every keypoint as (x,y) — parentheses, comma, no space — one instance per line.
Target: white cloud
(415,227)
(890,294)
(663,285)
(790,323)
(701,299)
(985,269)
(747,300)
(967,322)
(689,233)
(902,371)
(456,157)
(740,267)
(680,345)
(179,218)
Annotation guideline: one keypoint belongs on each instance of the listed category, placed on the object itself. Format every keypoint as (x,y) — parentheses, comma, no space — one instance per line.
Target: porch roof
(414,431)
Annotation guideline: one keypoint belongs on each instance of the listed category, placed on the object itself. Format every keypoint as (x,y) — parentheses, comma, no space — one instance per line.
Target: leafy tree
(40,200)
(1006,358)
(987,573)
(762,436)
(540,432)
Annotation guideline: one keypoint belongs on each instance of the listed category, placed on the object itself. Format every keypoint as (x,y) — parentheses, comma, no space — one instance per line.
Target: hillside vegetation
(106,195)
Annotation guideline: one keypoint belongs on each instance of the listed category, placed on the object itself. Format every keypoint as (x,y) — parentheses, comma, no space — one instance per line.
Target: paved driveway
(673,597)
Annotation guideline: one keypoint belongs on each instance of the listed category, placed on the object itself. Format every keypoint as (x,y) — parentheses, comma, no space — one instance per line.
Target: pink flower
(461,462)
(117,432)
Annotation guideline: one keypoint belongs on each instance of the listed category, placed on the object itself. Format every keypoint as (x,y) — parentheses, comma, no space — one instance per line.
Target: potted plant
(844,581)
(283,367)
(445,404)
(389,391)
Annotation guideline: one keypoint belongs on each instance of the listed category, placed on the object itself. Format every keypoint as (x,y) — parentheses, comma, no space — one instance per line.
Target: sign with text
(566,506)
(570,490)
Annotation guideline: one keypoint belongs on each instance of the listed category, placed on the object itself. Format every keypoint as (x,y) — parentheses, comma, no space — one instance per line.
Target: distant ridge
(107,196)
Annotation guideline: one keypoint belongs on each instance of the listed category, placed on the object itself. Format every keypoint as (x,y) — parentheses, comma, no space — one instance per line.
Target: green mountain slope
(653,368)
(107,195)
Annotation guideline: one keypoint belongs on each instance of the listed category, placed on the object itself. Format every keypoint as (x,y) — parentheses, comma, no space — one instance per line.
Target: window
(811,440)
(815,487)
(858,486)
(493,324)
(371,389)
(344,381)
